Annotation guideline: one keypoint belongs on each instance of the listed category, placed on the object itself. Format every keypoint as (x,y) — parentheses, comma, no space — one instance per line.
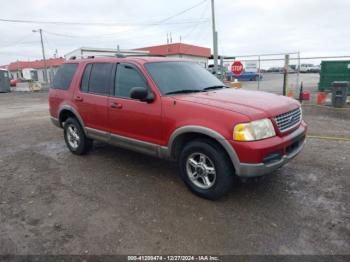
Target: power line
(49,46)
(145,24)
(161,22)
(94,23)
(294,58)
(182,12)
(202,21)
(107,24)
(196,25)
(19,41)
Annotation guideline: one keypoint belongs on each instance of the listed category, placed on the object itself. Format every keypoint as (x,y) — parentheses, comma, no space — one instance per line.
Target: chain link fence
(273,72)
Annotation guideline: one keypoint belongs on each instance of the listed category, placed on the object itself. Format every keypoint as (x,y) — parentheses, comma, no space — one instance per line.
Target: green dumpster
(333,71)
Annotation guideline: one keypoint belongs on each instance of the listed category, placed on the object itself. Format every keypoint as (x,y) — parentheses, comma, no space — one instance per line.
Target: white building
(35,70)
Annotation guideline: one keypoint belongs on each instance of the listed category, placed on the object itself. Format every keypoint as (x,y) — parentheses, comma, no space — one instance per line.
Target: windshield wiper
(214,87)
(183,91)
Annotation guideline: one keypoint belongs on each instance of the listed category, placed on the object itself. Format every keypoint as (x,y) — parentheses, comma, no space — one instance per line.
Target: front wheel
(75,138)
(206,169)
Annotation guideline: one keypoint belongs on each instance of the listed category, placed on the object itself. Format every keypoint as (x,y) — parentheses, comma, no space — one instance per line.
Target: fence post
(298,71)
(285,74)
(301,92)
(222,68)
(259,74)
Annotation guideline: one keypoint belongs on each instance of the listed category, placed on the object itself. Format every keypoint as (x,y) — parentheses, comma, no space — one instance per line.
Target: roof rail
(138,55)
(116,55)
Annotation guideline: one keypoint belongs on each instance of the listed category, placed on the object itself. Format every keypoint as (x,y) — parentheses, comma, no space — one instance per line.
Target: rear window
(84,86)
(64,76)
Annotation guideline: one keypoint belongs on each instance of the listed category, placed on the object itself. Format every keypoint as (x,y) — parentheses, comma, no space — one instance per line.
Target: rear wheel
(206,169)
(75,138)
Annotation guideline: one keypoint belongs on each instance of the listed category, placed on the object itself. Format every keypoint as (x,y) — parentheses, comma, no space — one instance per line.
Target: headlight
(255,130)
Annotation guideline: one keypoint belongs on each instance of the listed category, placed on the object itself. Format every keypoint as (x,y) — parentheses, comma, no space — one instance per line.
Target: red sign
(237,68)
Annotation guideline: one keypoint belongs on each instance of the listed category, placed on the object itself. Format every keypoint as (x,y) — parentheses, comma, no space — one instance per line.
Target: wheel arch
(68,111)
(187,133)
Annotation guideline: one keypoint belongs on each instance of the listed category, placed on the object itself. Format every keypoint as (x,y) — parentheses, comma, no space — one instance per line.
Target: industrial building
(180,50)
(34,70)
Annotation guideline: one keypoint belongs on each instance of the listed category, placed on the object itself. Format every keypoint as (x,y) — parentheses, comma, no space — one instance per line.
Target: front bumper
(274,156)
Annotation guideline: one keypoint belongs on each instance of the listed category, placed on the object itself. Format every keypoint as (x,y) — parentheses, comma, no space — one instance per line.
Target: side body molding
(205,131)
(155,149)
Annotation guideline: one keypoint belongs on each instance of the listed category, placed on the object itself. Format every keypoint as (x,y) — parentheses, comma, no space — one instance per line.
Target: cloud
(244,27)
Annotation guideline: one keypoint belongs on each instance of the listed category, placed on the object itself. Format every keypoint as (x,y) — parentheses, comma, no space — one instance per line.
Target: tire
(196,163)
(75,138)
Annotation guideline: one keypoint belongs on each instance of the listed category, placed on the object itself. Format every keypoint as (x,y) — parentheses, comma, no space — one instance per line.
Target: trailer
(332,71)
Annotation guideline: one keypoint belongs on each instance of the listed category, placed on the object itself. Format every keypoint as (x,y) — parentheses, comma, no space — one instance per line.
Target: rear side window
(85,80)
(127,78)
(64,76)
(100,78)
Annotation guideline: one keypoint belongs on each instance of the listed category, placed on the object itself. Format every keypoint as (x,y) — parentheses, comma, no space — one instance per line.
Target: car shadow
(162,169)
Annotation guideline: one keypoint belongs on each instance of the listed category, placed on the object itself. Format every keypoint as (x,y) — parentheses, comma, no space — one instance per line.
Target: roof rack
(138,55)
(89,57)
(116,55)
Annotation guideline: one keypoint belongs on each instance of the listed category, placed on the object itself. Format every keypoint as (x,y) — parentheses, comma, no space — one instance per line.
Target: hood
(254,104)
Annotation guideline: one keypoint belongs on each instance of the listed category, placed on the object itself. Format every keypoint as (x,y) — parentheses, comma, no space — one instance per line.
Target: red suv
(175,109)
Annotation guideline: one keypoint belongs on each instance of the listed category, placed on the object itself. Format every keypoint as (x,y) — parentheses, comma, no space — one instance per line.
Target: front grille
(288,120)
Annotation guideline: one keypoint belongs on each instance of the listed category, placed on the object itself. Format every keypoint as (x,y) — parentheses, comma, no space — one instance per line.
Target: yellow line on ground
(329,138)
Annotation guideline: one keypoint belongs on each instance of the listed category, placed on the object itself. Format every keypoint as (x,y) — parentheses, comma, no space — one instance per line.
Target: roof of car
(137,59)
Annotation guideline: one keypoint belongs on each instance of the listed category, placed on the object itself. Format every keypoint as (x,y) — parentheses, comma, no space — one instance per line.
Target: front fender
(208,132)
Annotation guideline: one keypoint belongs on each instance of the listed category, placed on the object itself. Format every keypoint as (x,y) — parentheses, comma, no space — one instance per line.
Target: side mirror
(142,94)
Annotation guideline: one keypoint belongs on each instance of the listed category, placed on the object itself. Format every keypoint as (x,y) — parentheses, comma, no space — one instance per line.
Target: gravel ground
(114,201)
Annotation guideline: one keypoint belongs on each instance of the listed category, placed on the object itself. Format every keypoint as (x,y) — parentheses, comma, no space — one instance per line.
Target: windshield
(179,77)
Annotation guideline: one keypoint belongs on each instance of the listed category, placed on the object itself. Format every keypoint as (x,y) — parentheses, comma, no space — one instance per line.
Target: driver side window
(127,77)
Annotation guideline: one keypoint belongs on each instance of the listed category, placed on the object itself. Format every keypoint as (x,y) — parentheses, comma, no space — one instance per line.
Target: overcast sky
(315,27)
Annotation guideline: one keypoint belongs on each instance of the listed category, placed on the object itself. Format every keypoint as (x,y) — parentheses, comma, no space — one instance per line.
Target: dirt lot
(115,201)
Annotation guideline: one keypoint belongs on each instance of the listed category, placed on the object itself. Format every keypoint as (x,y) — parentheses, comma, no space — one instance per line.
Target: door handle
(116,105)
(78,98)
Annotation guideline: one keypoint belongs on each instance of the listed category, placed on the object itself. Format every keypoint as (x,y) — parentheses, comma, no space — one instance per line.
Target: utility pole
(222,66)
(215,38)
(285,75)
(43,51)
